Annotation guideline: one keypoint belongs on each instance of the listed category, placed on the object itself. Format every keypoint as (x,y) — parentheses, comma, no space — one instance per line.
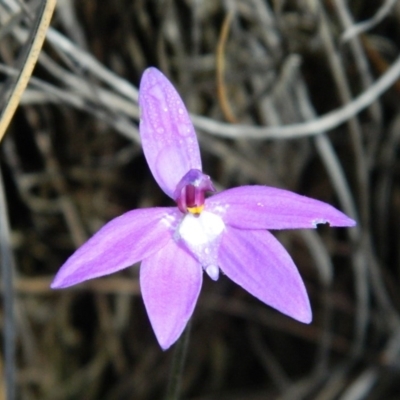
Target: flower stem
(178,362)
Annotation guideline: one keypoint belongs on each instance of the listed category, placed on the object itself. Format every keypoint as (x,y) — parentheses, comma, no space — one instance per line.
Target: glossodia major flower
(226,232)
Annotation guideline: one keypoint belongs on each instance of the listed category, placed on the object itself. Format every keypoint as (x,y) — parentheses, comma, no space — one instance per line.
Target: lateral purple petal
(256,261)
(168,137)
(119,244)
(262,207)
(170,281)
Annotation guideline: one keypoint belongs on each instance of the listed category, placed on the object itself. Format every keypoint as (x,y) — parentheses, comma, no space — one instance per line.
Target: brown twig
(220,68)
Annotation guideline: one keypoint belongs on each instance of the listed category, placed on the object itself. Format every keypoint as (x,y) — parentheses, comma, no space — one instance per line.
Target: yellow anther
(195,210)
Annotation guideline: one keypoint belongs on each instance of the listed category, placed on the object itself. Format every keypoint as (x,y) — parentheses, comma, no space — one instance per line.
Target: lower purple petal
(262,207)
(256,261)
(170,281)
(119,244)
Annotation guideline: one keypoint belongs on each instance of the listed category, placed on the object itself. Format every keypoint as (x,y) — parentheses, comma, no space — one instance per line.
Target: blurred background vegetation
(274,88)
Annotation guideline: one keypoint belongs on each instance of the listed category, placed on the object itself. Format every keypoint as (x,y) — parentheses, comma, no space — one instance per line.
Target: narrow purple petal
(120,243)
(170,281)
(168,137)
(256,261)
(262,207)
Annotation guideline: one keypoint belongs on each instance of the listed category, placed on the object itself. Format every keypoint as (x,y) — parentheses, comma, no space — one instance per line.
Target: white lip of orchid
(201,233)
(202,229)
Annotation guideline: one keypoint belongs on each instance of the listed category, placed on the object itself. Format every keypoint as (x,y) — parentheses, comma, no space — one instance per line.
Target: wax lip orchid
(226,232)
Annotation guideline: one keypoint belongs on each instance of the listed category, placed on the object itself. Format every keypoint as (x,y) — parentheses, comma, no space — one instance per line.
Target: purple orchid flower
(227,231)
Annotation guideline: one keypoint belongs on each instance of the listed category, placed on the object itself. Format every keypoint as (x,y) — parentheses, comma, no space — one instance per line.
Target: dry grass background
(283,93)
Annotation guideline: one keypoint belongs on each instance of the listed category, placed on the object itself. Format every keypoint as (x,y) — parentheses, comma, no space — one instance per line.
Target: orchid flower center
(190,192)
(199,229)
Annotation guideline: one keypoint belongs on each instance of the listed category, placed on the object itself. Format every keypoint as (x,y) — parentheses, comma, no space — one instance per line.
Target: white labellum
(202,229)
(202,235)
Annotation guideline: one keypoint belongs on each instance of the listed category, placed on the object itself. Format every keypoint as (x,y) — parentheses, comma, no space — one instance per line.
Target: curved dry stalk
(326,122)
(38,35)
(220,67)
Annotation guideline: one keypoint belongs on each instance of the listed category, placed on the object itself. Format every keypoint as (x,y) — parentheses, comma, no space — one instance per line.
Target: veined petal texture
(170,281)
(256,261)
(263,207)
(120,243)
(168,137)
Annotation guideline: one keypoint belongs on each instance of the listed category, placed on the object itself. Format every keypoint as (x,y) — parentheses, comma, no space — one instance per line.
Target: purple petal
(256,261)
(168,137)
(262,207)
(120,243)
(170,281)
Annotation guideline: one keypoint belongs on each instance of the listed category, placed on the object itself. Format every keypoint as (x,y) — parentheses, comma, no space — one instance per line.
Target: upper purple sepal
(168,137)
